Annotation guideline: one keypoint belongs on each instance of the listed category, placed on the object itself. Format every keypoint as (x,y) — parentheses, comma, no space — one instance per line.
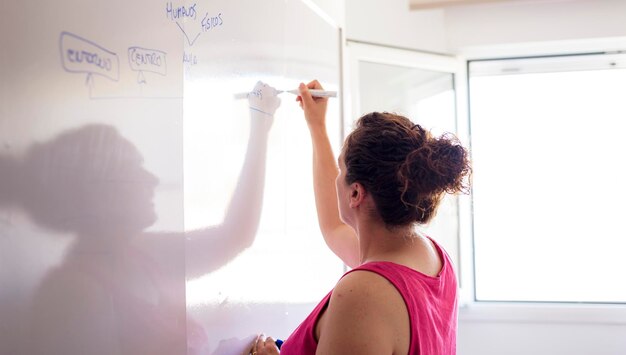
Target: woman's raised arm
(339,237)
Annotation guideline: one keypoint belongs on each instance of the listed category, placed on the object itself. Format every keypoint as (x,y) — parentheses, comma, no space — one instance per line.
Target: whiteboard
(140,207)
(268,281)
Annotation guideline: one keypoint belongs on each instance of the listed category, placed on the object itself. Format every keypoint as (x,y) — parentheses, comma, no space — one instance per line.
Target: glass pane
(427,98)
(548,168)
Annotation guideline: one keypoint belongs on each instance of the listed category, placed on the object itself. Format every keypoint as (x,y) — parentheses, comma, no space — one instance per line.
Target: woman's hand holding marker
(314,107)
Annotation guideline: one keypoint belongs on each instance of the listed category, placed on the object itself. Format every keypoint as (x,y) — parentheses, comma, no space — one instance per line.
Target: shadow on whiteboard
(117,289)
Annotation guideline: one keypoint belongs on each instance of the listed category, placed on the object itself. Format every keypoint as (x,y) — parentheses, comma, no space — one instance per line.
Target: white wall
(514,27)
(520,338)
(390,22)
(335,9)
(455,29)
(533,21)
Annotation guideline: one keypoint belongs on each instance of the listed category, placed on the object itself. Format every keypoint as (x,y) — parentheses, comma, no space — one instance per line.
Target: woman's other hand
(264,346)
(263,99)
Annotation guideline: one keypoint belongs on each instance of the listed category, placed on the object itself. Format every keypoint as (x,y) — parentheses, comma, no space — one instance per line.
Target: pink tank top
(431,303)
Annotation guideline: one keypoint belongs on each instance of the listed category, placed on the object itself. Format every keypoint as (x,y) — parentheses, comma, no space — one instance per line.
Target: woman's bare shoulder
(365,315)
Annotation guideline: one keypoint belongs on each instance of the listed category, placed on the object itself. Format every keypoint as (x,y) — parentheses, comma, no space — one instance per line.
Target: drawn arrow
(141,79)
(191,42)
(89,83)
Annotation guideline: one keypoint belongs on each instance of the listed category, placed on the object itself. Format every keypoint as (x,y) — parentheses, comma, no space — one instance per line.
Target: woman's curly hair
(405,169)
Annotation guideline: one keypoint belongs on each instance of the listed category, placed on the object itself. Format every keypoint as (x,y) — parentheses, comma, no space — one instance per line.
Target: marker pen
(314,93)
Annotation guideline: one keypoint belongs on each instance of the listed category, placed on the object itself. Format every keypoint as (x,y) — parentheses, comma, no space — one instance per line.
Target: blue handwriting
(175,13)
(79,55)
(209,23)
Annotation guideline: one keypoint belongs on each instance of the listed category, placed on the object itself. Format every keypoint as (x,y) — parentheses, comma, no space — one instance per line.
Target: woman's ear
(357,195)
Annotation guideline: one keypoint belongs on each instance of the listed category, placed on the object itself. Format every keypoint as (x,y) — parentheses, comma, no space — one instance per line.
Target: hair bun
(450,161)
(439,165)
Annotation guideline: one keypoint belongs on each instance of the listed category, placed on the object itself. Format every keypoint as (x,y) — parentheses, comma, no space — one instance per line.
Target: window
(549,166)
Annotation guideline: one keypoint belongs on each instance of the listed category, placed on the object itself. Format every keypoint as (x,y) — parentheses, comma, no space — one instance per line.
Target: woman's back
(404,311)
(430,300)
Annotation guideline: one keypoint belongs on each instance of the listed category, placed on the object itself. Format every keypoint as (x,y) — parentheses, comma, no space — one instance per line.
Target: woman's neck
(377,242)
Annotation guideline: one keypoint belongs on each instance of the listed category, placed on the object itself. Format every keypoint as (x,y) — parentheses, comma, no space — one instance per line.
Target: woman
(401,296)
